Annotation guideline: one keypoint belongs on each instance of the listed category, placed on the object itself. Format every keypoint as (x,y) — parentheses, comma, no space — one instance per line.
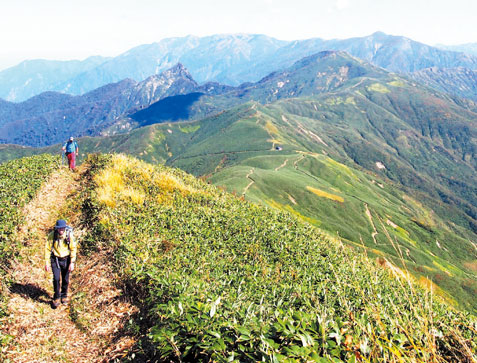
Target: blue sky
(72,29)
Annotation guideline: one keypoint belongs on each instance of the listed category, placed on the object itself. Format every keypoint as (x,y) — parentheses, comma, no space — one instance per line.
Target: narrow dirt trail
(40,333)
(370,217)
(99,307)
(251,181)
(281,166)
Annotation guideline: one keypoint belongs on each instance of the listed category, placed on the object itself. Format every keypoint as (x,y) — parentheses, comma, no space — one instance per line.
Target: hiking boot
(55,303)
(65,300)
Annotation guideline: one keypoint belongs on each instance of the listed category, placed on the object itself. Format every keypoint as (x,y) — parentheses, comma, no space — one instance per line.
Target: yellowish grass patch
(169,183)
(290,210)
(378,87)
(441,267)
(271,128)
(134,195)
(124,180)
(324,194)
(350,101)
(397,83)
(341,167)
(428,284)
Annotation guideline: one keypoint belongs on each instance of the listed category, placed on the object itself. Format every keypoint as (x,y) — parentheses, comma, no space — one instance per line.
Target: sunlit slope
(218,278)
(285,155)
(320,159)
(376,160)
(424,140)
(361,209)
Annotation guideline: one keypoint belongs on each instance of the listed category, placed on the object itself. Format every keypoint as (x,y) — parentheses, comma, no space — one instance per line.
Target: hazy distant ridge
(469,48)
(227,59)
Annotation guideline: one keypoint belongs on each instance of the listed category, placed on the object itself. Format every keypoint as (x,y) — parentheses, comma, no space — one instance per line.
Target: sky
(72,29)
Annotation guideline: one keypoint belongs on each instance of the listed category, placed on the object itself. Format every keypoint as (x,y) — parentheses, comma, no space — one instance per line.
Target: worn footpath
(40,333)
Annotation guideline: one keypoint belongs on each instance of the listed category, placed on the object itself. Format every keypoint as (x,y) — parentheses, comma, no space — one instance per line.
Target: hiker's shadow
(31,291)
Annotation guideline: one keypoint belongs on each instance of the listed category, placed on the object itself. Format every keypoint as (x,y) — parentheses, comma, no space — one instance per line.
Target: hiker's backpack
(68,232)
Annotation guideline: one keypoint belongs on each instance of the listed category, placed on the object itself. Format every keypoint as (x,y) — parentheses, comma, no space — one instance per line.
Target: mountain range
(227,59)
(52,116)
(384,160)
(379,160)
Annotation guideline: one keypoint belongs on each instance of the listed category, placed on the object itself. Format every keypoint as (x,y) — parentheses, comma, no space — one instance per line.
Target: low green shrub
(19,181)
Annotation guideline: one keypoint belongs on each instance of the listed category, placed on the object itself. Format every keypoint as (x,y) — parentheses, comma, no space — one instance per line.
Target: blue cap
(60,223)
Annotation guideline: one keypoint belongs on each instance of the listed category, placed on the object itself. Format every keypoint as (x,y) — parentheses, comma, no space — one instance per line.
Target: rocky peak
(179,70)
(171,75)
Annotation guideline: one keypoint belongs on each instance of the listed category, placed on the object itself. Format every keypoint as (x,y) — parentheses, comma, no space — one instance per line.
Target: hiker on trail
(60,254)
(71,150)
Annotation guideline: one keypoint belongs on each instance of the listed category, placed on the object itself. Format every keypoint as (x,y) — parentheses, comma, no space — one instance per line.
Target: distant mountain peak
(179,67)
(383,36)
(322,56)
(176,72)
(379,34)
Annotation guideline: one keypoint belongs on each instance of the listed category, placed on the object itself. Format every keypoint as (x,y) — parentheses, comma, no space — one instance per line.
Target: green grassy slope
(221,279)
(19,181)
(237,148)
(362,210)
(428,241)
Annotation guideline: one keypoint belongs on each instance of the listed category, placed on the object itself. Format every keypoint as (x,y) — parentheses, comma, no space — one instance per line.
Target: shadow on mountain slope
(172,108)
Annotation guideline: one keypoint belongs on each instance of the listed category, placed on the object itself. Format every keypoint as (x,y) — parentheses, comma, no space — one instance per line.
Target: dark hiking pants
(61,276)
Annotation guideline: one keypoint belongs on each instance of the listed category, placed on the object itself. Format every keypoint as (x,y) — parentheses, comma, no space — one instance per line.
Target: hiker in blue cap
(71,151)
(60,254)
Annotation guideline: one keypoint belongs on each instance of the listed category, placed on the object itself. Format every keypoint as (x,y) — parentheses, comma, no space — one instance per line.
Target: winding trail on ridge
(40,333)
(281,166)
(251,181)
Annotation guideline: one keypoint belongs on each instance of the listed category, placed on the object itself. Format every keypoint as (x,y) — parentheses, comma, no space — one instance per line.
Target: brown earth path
(40,333)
